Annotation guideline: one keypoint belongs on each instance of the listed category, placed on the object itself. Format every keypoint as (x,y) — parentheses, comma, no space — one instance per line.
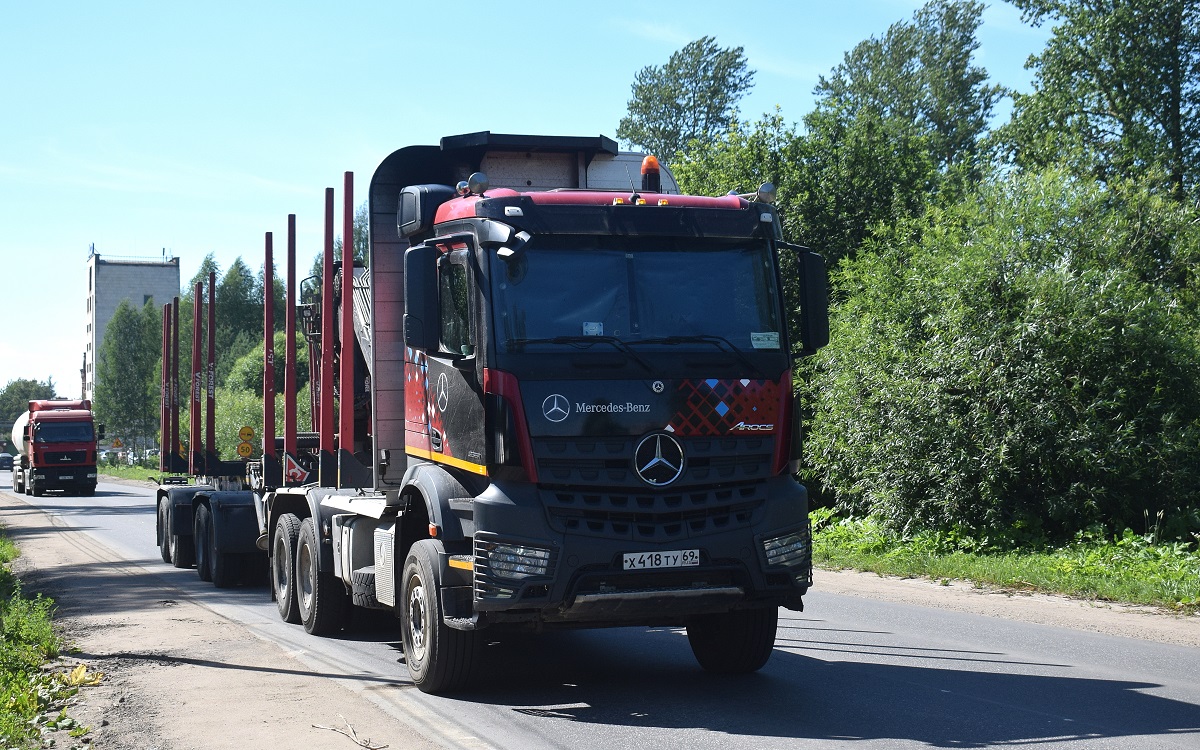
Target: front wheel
(321,597)
(734,642)
(440,659)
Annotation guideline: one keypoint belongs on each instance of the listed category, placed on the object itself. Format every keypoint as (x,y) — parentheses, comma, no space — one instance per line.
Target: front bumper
(526,569)
(52,477)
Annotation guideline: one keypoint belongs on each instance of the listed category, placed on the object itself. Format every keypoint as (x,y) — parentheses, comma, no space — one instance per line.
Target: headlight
(515,561)
(788,550)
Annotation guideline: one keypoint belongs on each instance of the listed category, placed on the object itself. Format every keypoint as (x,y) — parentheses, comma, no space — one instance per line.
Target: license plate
(680,558)
(66,476)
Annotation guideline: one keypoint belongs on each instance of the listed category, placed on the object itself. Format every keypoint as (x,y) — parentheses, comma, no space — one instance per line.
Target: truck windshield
(645,291)
(63,432)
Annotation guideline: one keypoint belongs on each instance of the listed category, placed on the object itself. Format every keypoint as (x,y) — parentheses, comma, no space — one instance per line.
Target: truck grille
(608,462)
(65,457)
(589,487)
(654,516)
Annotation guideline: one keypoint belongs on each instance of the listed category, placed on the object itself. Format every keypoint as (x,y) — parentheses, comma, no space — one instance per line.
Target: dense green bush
(1023,365)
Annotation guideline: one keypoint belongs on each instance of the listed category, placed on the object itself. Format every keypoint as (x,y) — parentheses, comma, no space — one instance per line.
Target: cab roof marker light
(663,202)
(651,179)
(618,201)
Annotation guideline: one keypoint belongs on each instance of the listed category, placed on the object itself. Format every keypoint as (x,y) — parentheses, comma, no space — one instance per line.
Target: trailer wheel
(164,533)
(735,642)
(202,538)
(322,598)
(283,566)
(183,548)
(440,659)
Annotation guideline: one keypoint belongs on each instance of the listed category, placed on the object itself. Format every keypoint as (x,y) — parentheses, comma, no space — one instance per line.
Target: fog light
(788,550)
(515,561)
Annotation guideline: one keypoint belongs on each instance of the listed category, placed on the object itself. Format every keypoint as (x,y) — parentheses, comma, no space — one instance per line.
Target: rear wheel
(440,659)
(734,642)
(183,548)
(164,533)
(283,566)
(322,598)
(202,538)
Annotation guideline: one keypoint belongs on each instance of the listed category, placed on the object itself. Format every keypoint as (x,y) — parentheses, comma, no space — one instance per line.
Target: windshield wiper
(585,342)
(720,342)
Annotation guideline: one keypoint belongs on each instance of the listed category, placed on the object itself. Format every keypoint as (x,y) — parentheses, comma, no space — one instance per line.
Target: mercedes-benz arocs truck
(555,394)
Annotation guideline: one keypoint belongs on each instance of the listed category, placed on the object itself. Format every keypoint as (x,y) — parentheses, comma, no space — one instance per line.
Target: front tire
(283,566)
(440,659)
(735,642)
(322,599)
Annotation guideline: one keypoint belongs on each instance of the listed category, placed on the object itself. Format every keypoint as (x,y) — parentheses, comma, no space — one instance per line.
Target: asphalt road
(846,670)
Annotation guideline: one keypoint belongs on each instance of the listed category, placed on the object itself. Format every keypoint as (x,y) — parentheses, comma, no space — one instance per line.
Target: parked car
(6,461)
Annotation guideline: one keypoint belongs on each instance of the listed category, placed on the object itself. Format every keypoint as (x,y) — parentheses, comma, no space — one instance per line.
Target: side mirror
(814,307)
(100,432)
(420,297)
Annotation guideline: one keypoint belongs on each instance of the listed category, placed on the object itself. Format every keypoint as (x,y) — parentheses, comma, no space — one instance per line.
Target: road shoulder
(1108,618)
(177,675)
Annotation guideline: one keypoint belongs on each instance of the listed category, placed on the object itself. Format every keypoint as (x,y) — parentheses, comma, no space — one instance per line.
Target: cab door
(454,401)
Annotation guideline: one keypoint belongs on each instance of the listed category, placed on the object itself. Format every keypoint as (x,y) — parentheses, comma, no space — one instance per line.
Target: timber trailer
(555,394)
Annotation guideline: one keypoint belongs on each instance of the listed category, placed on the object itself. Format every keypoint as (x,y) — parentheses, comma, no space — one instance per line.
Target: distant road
(870,673)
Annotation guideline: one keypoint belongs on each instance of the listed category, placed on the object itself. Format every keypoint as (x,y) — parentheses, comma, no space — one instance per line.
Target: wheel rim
(417,620)
(304,575)
(279,567)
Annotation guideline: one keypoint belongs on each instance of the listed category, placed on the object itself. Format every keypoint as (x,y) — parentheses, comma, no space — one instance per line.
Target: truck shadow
(938,697)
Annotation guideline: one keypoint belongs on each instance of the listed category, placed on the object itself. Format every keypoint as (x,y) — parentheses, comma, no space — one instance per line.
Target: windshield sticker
(767,340)
(593,329)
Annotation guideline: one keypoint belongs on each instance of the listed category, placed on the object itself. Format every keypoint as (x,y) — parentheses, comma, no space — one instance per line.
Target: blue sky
(195,128)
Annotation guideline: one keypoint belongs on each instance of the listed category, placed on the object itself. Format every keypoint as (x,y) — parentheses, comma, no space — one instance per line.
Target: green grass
(32,699)
(131,472)
(1131,568)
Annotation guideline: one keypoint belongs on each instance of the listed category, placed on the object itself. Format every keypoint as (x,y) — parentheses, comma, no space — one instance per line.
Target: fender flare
(436,486)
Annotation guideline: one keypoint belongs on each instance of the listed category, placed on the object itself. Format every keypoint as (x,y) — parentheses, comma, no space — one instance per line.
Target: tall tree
(920,73)
(126,372)
(694,96)
(1116,91)
(14,401)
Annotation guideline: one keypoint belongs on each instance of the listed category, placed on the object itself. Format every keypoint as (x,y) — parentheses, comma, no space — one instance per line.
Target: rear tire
(735,642)
(440,659)
(283,566)
(202,538)
(183,548)
(322,598)
(164,533)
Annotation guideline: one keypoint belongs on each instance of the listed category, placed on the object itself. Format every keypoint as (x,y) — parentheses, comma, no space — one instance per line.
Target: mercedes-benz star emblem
(556,408)
(443,395)
(657,386)
(658,459)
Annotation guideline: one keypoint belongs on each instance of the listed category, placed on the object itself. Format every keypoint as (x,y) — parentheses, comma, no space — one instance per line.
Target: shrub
(1022,364)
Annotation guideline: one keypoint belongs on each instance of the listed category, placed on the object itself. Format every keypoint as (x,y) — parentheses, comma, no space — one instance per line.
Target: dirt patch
(177,675)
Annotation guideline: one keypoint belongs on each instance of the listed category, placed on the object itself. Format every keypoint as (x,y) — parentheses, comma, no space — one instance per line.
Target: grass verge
(142,473)
(1131,568)
(32,699)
